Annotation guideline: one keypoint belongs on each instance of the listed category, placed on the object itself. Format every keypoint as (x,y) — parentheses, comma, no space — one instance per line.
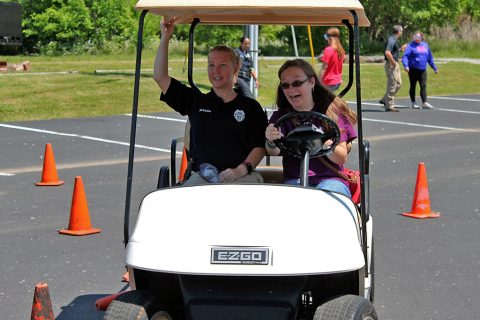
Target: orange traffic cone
(49,173)
(42,306)
(183,165)
(79,224)
(421,198)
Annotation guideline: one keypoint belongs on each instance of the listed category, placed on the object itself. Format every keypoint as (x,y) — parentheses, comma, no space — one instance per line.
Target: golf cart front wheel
(348,307)
(136,305)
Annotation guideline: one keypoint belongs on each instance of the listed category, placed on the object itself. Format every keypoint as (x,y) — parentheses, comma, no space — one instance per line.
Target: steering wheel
(312,130)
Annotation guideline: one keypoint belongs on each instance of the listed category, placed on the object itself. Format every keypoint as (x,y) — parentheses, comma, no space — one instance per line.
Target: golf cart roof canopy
(240,12)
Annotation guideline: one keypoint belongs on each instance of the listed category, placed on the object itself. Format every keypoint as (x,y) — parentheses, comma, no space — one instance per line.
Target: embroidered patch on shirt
(205,110)
(239,115)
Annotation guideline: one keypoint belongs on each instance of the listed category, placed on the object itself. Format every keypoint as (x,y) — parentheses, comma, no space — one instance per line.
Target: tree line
(93,26)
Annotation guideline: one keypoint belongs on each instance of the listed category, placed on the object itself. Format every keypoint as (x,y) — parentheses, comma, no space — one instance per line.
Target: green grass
(86,93)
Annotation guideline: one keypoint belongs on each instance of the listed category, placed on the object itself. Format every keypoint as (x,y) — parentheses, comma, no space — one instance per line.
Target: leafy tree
(30,7)
(112,19)
(414,14)
(61,25)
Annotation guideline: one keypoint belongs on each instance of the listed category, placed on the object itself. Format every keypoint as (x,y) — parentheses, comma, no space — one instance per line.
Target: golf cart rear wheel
(136,305)
(346,307)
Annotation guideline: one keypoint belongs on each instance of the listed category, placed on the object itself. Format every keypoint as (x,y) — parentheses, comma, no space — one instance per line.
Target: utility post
(251,31)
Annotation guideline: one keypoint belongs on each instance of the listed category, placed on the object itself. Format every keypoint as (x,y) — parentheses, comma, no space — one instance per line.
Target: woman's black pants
(415,75)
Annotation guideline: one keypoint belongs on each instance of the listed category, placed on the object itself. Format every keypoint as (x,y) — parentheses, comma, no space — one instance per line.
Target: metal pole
(254,50)
(133,128)
(190,53)
(294,42)
(360,135)
(350,58)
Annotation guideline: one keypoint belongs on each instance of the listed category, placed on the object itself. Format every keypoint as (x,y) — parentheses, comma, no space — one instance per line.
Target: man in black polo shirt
(392,69)
(227,129)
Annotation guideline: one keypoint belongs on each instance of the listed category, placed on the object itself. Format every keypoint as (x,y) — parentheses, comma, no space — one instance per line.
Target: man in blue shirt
(392,70)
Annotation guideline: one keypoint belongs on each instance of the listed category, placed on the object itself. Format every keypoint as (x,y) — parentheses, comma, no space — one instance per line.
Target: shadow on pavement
(82,307)
(373,110)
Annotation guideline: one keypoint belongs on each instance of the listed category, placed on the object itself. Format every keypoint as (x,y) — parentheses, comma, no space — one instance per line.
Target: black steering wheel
(312,130)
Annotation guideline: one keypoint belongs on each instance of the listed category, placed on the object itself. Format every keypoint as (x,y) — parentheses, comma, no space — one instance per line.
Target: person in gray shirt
(392,69)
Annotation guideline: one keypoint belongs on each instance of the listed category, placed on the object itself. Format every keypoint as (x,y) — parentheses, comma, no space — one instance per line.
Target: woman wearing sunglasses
(300,90)
(332,60)
(415,60)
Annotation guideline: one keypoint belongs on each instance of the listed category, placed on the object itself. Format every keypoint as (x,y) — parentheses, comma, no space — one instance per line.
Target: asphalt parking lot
(425,269)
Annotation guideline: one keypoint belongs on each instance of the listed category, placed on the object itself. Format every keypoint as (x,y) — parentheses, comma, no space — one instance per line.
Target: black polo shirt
(222,134)
(393,46)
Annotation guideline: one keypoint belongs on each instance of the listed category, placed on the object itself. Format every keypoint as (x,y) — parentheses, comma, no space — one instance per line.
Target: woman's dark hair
(326,101)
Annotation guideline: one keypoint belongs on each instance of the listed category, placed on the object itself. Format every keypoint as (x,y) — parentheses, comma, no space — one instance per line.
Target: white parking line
(421,125)
(83,137)
(436,109)
(452,98)
(459,111)
(183,121)
(86,164)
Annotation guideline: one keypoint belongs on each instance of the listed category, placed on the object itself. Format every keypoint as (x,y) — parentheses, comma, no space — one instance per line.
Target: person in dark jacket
(246,71)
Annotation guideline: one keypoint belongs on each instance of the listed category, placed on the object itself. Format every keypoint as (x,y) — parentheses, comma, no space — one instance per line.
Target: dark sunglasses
(295,84)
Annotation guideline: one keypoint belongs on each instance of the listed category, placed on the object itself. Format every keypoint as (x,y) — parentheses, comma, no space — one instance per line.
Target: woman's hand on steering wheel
(272,133)
(313,131)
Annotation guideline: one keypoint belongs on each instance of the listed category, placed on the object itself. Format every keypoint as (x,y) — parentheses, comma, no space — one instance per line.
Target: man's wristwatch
(249,166)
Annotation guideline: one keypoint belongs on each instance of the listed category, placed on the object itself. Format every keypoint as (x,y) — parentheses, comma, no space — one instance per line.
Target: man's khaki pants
(394,83)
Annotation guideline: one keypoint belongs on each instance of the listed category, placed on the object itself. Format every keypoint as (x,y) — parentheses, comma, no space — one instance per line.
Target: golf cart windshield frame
(354,63)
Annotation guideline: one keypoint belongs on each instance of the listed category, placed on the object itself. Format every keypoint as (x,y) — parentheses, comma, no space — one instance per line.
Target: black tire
(135,305)
(348,307)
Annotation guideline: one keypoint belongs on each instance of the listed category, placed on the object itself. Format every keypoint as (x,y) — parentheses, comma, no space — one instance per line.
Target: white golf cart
(258,251)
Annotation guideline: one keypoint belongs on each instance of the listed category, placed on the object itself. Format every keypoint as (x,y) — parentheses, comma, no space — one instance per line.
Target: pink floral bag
(349,175)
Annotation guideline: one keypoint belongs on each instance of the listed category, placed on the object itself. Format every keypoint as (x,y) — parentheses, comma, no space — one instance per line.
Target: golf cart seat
(164,180)
(272,174)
